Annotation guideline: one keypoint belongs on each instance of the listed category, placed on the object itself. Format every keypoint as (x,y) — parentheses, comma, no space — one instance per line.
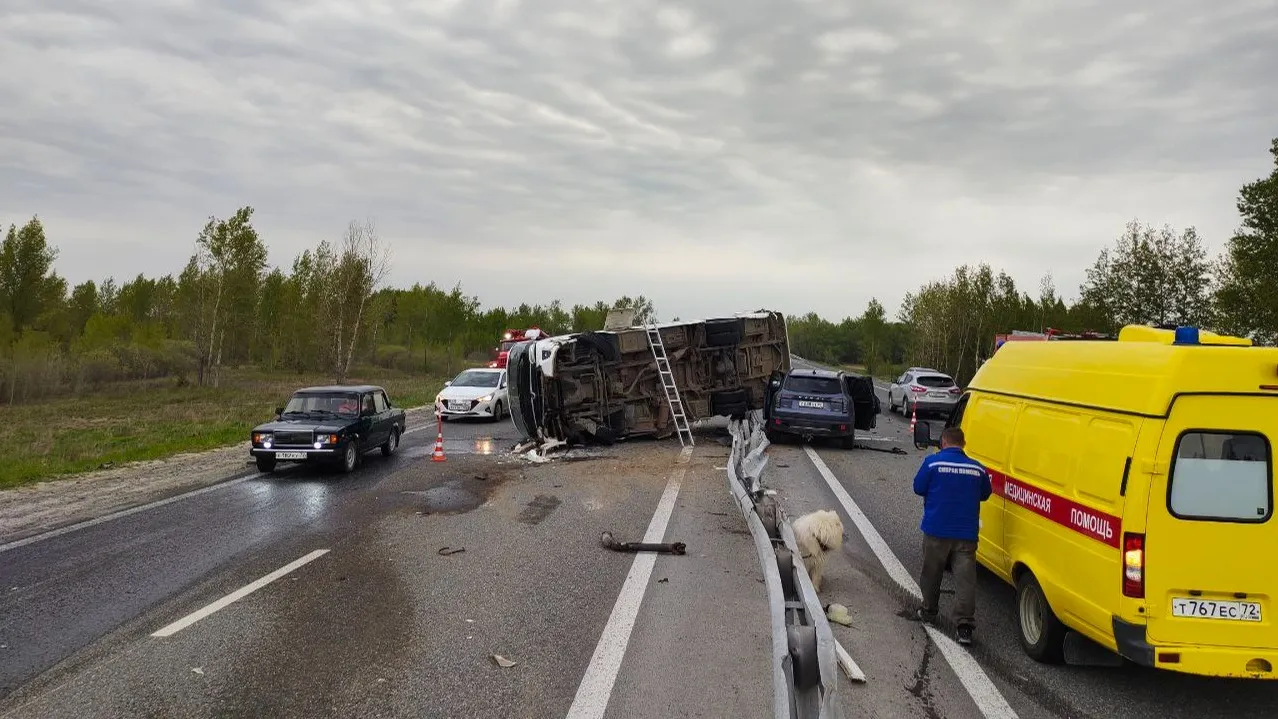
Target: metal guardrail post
(804,660)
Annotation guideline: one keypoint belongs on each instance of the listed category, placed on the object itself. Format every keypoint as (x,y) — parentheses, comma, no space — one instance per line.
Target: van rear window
(1221,476)
(934,380)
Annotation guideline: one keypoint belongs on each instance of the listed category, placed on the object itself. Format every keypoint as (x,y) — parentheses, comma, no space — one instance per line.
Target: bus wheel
(1042,635)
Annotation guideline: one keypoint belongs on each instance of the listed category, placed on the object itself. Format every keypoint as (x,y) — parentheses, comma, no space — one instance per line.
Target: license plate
(459,406)
(1212,609)
(938,395)
(290,455)
(812,405)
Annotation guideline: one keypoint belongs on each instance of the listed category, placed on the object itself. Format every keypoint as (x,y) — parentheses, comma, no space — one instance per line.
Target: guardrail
(804,660)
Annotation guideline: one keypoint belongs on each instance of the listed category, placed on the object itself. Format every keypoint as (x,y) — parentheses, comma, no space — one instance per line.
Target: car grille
(284,439)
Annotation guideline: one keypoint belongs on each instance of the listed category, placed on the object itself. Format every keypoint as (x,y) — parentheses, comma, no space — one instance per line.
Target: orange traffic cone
(438,454)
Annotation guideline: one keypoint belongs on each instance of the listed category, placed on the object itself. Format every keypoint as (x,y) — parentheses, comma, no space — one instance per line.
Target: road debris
(846,663)
(838,614)
(663,547)
(198,670)
(446,551)
(503,662)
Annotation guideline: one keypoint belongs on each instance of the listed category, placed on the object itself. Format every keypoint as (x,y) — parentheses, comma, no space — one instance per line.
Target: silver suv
(923,389)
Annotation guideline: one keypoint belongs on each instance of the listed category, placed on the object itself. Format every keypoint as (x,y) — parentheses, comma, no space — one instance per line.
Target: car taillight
(955,390)
(1133,565)
(917,389)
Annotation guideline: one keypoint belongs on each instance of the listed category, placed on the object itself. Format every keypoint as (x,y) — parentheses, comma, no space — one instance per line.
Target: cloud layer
(715,156)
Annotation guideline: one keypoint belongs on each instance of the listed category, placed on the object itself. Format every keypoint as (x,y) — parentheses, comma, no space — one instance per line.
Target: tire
(724,332)
(891,404)
(392,443)
(350,457)
(731,403)
(265,464)
(497,412)
(848,442)
(1041,634)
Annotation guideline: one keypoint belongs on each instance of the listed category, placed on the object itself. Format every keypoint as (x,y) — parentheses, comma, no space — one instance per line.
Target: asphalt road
(380,615)
(62,593)
(880,483)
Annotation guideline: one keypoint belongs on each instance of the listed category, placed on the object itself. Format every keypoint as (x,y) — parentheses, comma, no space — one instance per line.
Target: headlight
(261,437)
(486,398)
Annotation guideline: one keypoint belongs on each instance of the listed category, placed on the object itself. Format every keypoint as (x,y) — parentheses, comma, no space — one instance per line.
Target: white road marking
(596,686)
(122,514)
(237,595)
(987,697)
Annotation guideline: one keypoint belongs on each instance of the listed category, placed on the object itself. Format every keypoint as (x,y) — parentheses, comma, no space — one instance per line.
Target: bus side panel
(989,422)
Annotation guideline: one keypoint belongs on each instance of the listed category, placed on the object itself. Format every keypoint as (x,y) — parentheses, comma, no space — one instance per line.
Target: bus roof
(1141,373)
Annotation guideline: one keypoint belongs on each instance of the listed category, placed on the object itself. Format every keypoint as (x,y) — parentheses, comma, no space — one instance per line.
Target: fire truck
(511,338)
(1050,335)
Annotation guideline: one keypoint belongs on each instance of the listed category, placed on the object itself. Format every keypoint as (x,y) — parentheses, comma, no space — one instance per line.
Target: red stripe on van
(1102,527)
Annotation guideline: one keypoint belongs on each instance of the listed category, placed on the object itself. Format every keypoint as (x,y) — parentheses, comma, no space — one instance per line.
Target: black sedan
(331,425)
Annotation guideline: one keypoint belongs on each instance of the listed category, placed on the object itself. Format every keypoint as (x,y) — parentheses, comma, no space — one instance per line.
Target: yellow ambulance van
(1133,495)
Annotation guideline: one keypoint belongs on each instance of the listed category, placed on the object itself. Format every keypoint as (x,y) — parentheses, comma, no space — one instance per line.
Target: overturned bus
(604,386)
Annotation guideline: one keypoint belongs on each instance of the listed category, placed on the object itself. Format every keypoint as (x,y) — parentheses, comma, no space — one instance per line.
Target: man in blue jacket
(952,485)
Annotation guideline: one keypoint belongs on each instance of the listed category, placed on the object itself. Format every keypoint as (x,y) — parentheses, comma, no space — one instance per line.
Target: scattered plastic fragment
(503,662)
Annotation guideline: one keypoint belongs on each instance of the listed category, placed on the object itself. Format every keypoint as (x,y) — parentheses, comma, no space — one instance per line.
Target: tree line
(328,312)
(1149,275)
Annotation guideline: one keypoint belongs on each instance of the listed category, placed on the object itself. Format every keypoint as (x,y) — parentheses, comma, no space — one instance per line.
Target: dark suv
(820,403)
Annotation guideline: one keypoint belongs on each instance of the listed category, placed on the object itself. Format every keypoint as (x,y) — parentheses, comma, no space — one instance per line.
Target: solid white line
(122,513)
(237,595)
(987,697)
(596,686)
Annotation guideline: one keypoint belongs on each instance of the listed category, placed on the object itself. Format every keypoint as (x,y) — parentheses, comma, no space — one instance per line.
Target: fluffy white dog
(817,534)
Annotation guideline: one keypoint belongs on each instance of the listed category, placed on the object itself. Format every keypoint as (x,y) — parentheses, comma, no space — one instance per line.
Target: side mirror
(448,383)
(923,436)
(278,411)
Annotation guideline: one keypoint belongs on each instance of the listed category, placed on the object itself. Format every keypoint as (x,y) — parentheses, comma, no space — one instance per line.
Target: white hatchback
(478,392)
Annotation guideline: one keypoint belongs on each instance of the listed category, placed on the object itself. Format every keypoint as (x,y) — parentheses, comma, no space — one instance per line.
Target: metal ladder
(658,347)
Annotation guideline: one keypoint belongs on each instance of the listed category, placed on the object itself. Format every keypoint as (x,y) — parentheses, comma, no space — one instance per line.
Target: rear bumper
(1228,662)
(932,405)
(814,426)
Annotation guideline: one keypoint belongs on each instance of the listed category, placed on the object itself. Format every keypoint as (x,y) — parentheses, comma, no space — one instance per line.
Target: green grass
(152,420)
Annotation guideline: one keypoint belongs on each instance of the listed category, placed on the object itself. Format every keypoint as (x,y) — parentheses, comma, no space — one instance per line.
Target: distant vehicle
(604,386)
(332,425)
(924,390)
(479,392)
(1049,336)
(1097,451)
(820,403)
(509,339)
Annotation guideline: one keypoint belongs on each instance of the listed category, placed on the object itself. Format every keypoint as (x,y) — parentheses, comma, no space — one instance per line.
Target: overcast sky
(716,155)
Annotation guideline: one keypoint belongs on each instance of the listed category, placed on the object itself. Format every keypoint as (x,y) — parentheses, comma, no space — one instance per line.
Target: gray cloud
(716,156)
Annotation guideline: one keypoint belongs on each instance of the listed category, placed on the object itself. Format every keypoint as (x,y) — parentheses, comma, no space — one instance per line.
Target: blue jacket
(952,485)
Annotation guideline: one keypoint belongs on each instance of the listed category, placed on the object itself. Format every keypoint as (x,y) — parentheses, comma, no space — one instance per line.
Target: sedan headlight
(486,398)
(261,437)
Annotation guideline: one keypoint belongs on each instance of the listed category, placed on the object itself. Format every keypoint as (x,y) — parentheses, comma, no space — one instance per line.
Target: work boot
(964,634)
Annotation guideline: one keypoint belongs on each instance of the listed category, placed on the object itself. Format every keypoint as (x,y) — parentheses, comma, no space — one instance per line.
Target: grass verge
(152,420)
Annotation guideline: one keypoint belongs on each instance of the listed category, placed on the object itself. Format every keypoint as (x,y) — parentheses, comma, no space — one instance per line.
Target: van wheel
(1042,635)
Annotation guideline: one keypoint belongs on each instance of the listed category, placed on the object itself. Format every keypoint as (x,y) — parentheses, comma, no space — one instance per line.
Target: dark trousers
(960,556)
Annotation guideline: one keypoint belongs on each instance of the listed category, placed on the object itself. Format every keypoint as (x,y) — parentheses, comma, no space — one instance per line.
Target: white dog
(817,534)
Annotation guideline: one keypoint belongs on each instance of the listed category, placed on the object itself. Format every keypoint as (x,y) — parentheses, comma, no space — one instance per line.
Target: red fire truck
(509,339)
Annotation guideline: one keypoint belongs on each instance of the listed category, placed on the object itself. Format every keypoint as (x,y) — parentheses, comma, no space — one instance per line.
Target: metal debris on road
(446,551)
(663,547)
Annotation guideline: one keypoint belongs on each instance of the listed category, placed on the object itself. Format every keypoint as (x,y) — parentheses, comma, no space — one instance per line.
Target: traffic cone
(914,417)
(438,454)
